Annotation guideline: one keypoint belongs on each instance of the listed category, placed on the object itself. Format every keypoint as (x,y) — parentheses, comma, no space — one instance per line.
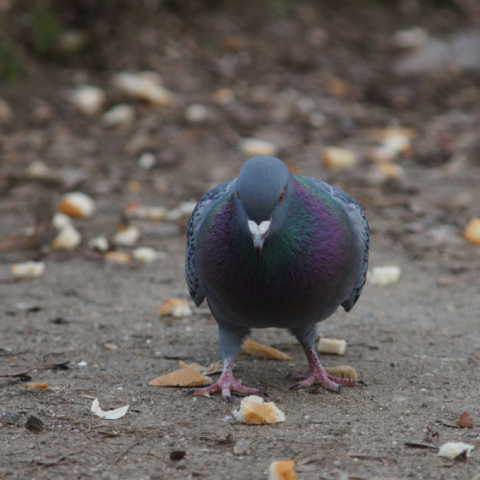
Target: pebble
(88,99)
(118,115)
(196,113)
(5,111)
(147,161)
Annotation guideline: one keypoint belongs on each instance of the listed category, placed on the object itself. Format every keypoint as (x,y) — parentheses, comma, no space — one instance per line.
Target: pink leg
(317,374)
(225,384)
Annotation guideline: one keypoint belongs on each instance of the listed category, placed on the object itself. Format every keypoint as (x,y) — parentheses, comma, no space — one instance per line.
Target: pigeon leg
(230,339)
(225,384)
(315,373)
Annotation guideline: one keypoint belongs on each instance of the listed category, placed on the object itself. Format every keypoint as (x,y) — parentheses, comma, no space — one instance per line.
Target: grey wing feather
(360,225)
(199,214)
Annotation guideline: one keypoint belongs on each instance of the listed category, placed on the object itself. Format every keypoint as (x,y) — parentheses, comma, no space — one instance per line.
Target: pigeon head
(264,191)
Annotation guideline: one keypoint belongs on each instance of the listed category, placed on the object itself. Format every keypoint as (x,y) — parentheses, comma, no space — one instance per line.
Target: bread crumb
(387,275)
(77,205)
(342,371)
(453,450)
(176,308)
(263,351)
(185,377)
(330,345)
(471,233)
(255,411)
(283,470)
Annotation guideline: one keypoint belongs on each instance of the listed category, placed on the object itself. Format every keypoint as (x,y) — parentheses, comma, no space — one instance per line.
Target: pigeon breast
(304,272)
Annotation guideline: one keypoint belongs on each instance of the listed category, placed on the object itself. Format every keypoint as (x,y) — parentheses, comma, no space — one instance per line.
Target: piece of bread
(255,411)
(176,308)
(185,377)
(342,371)
(256,349)
(331,345)
(283,470)
(471,233)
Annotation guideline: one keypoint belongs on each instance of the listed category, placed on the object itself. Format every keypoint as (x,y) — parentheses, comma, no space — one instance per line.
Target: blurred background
(116,116)
(147,104)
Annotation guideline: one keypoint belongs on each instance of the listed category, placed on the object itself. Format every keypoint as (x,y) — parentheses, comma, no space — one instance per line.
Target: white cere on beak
(259,234)
(258,230)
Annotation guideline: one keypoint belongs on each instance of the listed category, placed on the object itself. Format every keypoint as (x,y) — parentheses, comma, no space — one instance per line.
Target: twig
(126,451)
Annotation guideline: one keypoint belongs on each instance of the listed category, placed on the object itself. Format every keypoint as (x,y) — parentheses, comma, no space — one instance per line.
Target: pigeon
(273,249)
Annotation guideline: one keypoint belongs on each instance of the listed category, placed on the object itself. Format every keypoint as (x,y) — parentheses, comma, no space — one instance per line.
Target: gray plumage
(271,249)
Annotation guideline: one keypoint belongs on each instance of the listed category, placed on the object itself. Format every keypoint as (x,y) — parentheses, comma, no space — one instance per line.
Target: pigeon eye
(281,197)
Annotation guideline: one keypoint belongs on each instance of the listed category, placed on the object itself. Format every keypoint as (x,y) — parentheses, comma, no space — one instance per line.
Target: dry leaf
(342,371)
(111,414)
(255,411)
(185,377)
(465,421)
(176,308)
(263,351)
(283,470)
(34,424)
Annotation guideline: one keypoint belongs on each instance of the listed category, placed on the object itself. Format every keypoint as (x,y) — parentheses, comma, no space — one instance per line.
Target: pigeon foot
(316,374)
(225,384)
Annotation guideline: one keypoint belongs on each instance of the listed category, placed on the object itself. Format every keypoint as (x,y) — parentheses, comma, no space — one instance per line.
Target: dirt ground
(416,343)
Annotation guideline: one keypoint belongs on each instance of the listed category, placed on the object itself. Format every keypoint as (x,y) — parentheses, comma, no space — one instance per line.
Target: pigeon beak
(259,233)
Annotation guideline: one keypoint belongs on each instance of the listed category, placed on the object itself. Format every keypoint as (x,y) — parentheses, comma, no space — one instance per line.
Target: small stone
(317,119)
(413,37)
(88,99)
(196,113)
(118,115)
(147,161)
(5,111)
(223,96)
(38,169)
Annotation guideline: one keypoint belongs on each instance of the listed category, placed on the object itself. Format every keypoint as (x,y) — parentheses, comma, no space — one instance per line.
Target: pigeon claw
(225,384)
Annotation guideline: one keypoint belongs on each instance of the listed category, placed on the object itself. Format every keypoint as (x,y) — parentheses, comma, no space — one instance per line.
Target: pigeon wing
(360,226)
(199,214)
